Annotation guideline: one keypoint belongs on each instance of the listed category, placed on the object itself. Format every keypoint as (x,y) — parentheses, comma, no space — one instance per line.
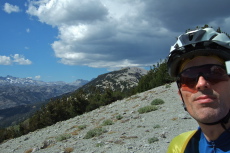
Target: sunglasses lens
(211,72)
(217,74)
(188,81)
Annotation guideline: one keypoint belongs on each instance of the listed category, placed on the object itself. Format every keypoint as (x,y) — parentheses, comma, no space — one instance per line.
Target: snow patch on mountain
(10,80)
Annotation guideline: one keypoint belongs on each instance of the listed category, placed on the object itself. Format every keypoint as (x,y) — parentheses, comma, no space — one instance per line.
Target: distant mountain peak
(123,79)
(21,91)
(136,69)
(11,80)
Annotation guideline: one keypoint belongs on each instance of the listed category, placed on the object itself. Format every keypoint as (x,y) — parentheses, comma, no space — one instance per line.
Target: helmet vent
(190,36)
(213,37)
(176,46)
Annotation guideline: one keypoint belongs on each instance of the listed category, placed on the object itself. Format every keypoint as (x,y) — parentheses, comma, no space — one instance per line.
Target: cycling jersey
(195,142)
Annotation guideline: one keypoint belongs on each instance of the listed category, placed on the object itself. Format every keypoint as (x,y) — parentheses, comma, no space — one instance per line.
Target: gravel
(129,131)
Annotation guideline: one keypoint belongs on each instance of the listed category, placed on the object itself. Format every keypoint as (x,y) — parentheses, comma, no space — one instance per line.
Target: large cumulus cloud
(104,33)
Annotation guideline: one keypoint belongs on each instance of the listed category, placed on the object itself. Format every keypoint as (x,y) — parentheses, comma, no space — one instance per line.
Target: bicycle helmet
(201,42)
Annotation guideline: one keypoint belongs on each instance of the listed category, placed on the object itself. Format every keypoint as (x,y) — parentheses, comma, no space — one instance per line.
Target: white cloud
(16,58)
(20,59)
(37,77)
(8,8)
(4,60)
(105,33)
(59,12)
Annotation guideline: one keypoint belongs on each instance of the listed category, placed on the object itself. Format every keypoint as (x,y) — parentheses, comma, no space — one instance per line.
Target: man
(198,61)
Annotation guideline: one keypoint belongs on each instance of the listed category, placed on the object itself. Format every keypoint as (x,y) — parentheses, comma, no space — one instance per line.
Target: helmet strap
(222,121)
(181,97)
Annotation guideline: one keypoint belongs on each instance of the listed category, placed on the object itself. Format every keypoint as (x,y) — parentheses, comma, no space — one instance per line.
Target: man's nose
(202,83)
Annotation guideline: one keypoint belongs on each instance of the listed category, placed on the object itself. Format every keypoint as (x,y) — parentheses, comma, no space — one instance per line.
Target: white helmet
(201,42)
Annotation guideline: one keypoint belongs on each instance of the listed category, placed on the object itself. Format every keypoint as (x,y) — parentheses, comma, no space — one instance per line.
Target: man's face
(207,102)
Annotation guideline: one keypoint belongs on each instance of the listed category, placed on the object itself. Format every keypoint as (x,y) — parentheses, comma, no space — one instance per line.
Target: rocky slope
(130,131)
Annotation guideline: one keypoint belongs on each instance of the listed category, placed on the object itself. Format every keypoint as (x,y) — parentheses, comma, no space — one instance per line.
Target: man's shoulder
(179,143)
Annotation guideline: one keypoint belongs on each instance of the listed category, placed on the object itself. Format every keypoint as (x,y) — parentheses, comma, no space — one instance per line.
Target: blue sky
(65,40)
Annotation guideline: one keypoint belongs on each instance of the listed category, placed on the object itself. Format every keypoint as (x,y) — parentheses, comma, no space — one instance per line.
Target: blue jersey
(199,144)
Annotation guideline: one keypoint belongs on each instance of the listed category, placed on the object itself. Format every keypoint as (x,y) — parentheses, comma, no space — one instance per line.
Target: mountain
(129,131)
(22,91)
(119,80)
(22,82)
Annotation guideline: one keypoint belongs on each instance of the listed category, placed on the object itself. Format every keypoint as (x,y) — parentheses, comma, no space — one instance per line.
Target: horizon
(61,80)
(67,40)
(40,79)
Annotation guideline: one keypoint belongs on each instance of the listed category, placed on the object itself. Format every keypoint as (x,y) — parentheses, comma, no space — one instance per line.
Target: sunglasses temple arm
(181,96)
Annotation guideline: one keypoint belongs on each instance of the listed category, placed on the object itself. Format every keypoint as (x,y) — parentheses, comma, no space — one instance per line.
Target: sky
(66,40)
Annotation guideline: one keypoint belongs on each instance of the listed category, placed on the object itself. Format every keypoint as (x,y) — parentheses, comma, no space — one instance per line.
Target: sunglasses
(211,72)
